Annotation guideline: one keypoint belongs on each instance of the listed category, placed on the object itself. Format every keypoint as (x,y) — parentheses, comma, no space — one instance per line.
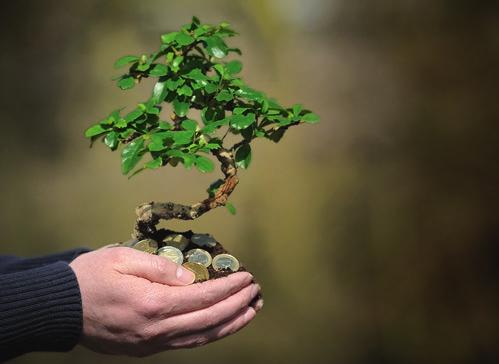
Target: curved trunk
(149,214)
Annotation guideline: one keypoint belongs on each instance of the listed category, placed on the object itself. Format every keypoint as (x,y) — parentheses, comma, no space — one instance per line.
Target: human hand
(139,304)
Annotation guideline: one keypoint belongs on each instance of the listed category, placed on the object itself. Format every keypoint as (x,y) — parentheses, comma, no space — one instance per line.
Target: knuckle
(149,305)
(117,255)
(209,319)
(205,294)
(160,265)
(150,332)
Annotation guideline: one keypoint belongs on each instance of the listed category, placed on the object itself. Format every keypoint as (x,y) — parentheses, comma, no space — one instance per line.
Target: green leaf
(243,156)
(234,67)
(209,147)
(220,68)
(164,125)
(224,95)
(121,123)
(211,87)
(310,118)
(276,134)
(131,155)
(111,140)
(204,164)
(158,70)
(94,131)
(242,121)
(127,133)
(176,63)
(197,75)
(132,115)
(188,160)
(216,47)
(259,133)
(180,107)
(183,39)
(168,38)
(297,109)
(184,90)
(189,125)
(154,164)
(159,92)
(143,67)
(235,50)
(126,82)
(250,94)
(172,84)
(210,114)
(195,20)
(211,127)
(183,137)
(123,61)
(159,141)
(231,208)
(239,110)
(151,107)
(175,153)
(200,31)
(282,121)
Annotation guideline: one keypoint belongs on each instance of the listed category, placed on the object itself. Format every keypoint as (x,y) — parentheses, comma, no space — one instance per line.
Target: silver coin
(225,262)
(177,240)
(172,253)
(199,256)
(204,240)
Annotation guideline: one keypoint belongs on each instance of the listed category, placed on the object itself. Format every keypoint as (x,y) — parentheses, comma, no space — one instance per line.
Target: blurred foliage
(376,241)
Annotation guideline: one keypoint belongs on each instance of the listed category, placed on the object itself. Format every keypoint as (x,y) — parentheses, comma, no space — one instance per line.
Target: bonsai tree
(190,74)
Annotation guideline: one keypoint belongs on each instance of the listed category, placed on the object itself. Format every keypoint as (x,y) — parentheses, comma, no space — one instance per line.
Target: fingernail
(258,305)
(185,275)
(249,314)
(255,290)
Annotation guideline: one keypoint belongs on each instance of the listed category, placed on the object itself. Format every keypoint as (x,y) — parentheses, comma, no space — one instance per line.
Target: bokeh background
(374,233)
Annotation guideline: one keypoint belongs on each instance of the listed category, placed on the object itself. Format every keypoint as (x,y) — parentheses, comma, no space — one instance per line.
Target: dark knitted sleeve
(40,310)
(10,264)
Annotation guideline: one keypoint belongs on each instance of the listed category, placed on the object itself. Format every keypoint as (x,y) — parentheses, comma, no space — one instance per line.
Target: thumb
(153,268)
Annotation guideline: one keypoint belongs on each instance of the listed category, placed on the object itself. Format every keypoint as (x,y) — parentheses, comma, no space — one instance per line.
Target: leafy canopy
(191,73)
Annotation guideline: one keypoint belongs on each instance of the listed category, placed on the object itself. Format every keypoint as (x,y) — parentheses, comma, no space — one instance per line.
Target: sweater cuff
(40,310)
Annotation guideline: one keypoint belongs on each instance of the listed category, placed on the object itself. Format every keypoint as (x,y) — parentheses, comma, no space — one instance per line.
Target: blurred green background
(374,233)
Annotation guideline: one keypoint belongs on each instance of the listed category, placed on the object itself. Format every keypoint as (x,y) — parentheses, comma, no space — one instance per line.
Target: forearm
(40,310)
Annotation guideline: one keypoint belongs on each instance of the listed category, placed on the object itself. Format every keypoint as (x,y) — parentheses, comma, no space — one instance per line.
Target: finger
(202,295)
(212,316)
(215,333)
(152,267)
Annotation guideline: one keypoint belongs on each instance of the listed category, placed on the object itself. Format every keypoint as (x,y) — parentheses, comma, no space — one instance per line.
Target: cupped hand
(139,304)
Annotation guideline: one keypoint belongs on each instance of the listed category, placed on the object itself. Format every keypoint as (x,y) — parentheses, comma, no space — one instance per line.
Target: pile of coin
(197,260)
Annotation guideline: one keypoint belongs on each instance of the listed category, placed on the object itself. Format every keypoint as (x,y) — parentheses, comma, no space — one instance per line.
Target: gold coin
(147,246)
(199,256)
(199,271)
(203,240)
(225,262)
(172,253)
(177,240)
